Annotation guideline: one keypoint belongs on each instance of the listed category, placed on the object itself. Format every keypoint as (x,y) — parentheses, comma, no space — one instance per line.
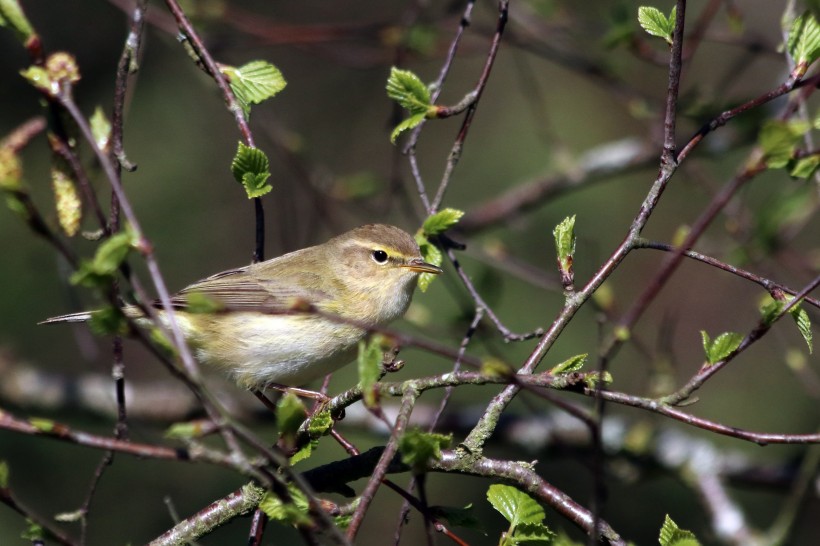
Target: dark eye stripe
(380,256)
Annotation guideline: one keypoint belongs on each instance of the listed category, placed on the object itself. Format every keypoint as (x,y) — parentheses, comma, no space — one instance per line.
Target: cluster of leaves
(407,89)
(253,83)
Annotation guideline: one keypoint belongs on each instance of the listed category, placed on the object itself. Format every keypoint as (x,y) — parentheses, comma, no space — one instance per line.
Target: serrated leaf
(533,534)
(430,254)
(405,125)
(320,424)
(4,474)
(592,379)
(304,452)
(564,235)
(655,23)
(290,414)
(721,347)
(801,318)
(369,363)
(572,364)
(672,535)
(804,39)
(418,448)
(12,16)
(516,506)
(100,128)
(254,82)
(293,513)
(441,221)
(251,168)
(404,87)
(67,201)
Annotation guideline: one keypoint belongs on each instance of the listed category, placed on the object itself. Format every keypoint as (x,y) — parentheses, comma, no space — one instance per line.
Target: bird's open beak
(420,266)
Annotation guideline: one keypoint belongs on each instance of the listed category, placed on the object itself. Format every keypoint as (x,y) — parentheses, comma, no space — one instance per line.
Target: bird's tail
(83,316)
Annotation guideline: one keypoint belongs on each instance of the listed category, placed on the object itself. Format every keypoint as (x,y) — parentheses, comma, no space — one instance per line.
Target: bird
(359,280)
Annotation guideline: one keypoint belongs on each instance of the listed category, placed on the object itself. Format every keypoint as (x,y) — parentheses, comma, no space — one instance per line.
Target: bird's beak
(420,266)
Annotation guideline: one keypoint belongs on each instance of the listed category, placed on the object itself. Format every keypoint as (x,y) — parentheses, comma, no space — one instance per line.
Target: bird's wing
(244,290)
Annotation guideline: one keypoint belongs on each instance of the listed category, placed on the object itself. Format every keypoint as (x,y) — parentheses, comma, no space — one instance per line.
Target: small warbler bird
(365,276)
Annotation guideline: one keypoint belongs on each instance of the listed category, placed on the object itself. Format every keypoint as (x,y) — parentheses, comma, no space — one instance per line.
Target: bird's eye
(380,256)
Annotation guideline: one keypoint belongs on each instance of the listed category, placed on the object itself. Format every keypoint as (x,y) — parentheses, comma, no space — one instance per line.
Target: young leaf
(254,82)
(408,90)
(441,221)
(320,424)
(370,359)
(572,364)
(430,254)
(33,533)
(405,125)
(304,452)
(779,140)
(251,168)
(290,413)
(564,235)
(516,506)
(110,254)
(805,167)
(293,513)
(801,318)
(418,448)
(656,23)
(672,535)
(721,347)
(187,430)
(804,39)
(535,534)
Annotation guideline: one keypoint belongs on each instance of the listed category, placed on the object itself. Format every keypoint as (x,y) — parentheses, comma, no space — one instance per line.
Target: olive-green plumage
(365,276)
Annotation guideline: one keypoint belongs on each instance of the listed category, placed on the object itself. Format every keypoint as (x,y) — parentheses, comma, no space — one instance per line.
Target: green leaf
(804,39)
(293,513)
(805,166)
(320,424)
(370,358)
(404,87)
(721,347)
(4,474)
(801,318)
(43,425)
(40,79)
(33,533)
(672,535)
(304,452)
(593,378)
(185,431)
(418,448)
(535,534)
(430,254)
(655,23)
(12,16)
(108,258)
(254,82)
(564,235)
(572,364)
(100,128)
(290,414)
(109,320)
(251,168)
(779,139)
(441,221)
(405,125)
(516,506)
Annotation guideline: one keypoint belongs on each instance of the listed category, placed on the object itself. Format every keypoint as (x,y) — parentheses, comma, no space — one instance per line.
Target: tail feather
(83,316)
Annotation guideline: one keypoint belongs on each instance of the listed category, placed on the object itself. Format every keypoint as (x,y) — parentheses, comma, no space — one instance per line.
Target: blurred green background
(334,167)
